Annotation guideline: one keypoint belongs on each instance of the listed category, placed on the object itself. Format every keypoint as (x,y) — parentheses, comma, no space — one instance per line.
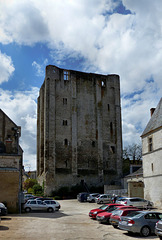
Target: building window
(66,75)
(112,149)
(150,144)
(103,83)
(152,166)
(108,107)
(64,123)
(65,142)
(64,101)
(93,143)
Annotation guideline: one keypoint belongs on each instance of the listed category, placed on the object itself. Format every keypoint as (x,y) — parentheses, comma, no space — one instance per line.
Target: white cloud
(40,68)
(6,67)
(21,108)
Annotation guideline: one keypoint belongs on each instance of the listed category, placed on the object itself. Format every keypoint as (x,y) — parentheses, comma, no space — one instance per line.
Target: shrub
(37,189)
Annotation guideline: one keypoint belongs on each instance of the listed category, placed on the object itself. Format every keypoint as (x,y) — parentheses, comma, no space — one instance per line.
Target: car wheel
(145,231)
(101,202)
(28,209)
(50,209)
(93,201)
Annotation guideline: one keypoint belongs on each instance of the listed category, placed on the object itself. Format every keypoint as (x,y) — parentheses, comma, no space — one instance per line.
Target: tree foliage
(29,183)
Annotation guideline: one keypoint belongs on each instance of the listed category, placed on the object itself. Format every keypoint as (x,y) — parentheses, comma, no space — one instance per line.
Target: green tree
(37,189)
(29,183)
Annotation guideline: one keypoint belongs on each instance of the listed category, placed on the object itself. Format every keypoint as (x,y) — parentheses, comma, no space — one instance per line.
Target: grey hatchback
(143,223)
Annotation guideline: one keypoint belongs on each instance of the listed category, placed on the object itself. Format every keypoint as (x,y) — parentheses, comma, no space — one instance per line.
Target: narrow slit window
(108,107)
(152,167)
(93,143)
(150,144)
(65,142)
(65,123)
(64,101)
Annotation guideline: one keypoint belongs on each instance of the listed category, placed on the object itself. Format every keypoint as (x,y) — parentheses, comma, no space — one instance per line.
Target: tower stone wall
(79,134)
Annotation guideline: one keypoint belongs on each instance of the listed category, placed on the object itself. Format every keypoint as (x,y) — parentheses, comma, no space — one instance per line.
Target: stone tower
(79,134)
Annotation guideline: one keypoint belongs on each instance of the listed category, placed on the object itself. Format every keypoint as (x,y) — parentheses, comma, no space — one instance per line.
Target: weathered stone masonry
(78,129)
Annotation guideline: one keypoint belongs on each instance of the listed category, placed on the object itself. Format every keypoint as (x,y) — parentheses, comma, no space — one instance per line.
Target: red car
(117,214)
(112,206)
(104,217)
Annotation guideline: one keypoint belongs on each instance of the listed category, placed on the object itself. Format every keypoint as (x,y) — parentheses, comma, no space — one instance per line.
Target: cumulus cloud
(6,67)
(21,108)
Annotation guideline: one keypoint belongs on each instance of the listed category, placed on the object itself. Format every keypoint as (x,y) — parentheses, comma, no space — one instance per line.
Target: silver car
(158,229)
(91,197)
(135,202)
(143,223)
(38,205)
(103,198)
(53,202)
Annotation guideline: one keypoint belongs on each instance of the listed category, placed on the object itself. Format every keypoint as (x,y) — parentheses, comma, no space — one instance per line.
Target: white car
(54,203)
(135,202)
(39,206)
(103,198)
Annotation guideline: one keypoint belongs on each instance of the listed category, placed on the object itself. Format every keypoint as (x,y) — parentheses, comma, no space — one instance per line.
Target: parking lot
(71,222)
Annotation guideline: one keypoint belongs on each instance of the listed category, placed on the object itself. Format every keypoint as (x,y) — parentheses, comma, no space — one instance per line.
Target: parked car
(158,229)
(82,197)
(104,217)
(38,205)
(91,197)
(117,214)
(53,202)
(43,198)
(28,196)
(136,202)
(103,198)
(93,213)
(143,223)
(3,210)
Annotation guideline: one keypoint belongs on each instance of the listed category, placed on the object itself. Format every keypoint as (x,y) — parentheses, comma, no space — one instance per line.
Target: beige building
(11,160)
(79,137)
(152,157)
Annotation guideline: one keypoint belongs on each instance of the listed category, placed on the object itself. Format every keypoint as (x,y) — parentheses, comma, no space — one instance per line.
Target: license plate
(113,221)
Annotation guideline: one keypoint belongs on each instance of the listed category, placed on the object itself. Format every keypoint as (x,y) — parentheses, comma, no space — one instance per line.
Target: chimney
(152,111)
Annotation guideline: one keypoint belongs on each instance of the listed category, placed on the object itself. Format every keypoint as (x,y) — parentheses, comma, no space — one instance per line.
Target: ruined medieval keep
(79,133)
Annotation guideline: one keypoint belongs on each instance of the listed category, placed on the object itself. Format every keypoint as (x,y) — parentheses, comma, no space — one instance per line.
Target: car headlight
(102,217)
(95,212)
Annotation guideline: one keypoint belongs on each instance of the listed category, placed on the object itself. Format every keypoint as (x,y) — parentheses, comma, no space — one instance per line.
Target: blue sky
(101,36)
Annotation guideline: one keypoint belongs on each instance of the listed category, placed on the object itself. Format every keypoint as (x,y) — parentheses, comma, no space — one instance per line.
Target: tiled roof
(139,172)
(156,119)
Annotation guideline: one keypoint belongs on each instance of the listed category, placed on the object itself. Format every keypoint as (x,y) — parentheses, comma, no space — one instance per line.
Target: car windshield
(103,207)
